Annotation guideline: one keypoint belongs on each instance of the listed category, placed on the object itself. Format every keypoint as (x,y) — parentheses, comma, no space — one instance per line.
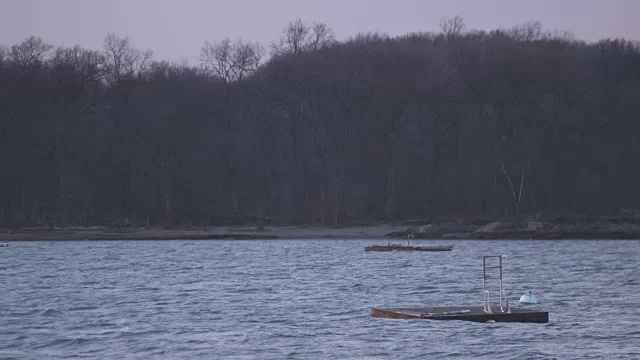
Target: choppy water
(309,300)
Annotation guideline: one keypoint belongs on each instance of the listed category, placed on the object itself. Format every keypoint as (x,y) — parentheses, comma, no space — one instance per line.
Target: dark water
(309,300)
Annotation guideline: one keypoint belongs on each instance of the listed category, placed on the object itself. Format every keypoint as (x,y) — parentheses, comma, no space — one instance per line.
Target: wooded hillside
(314,130)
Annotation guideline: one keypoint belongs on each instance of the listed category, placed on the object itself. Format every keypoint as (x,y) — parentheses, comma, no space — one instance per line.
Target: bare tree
(75,76)
(124,65)
(321,36)
(563,35)
(231,61)
(219,59)
(4,54)
(529,31)
(452,27)
(517,194)
(298,37)
(88,63)
(247,59)
(77,73)
(369,37)
(125,69)
(30,52)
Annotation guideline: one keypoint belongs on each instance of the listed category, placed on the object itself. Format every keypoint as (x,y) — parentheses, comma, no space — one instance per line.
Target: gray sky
(178,28)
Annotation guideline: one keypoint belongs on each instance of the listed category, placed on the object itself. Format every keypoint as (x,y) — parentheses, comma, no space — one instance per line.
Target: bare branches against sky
(177,29)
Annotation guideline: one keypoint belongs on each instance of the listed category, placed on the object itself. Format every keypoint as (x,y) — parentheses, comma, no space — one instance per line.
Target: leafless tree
(219,59)
(231,61)
(30,52)
(562,35)
(123,63)
(517,194)
(298,37)
(248,57)
(89,63)
(321,36)
(4,54)
(370,37)
(453,27)
(125,68)
(529,31)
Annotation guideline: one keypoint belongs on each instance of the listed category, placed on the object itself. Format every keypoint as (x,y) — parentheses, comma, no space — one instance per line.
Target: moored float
(398,247)
(528,299)
(408,247)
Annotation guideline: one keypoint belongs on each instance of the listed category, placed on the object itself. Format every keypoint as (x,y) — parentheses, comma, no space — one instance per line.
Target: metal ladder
(487,265)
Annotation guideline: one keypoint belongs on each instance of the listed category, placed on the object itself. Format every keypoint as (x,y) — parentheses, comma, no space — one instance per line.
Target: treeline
(314,130)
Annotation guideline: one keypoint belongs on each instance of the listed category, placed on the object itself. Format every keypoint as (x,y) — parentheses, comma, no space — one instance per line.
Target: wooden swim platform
(398,247)
(490,310)
(468,313)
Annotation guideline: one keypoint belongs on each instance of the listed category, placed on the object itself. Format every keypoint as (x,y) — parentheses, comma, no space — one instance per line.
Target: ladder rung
(493,267)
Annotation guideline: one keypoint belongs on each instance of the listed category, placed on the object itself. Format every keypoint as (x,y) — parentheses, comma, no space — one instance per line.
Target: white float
(528,299)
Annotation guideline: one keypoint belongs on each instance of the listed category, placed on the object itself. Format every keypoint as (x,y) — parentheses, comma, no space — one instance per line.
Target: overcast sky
(176,29)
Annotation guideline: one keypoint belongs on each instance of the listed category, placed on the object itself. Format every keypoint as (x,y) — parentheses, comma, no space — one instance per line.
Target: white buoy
(528,299)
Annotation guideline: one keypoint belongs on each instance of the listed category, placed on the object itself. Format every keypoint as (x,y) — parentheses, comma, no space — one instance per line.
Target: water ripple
(308,299)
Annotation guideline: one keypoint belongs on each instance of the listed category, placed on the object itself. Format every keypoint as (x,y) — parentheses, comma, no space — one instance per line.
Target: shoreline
(452,232)
(375,232)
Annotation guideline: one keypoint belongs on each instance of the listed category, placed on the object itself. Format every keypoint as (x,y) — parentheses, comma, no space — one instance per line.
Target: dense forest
(519,121)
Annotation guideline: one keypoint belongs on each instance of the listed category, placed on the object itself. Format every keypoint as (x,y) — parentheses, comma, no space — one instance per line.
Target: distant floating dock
(485,313)
(397,247)
(468,313)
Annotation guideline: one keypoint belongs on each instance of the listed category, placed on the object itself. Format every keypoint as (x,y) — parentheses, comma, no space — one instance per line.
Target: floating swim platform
(397,247)
(490,311)
(468,313)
